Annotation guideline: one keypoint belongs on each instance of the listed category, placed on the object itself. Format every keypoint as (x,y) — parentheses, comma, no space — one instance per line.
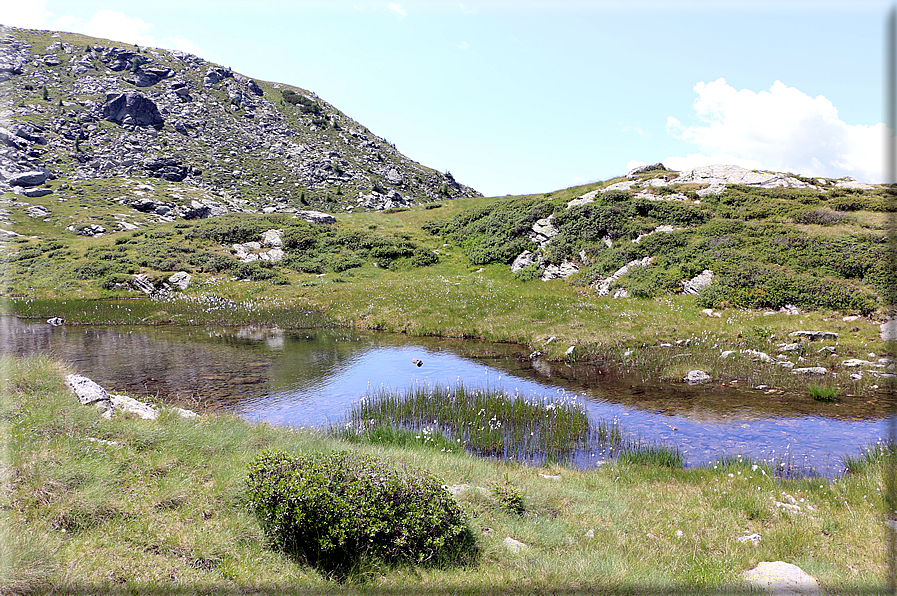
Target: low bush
(820,217)
(423,257)
(339,510)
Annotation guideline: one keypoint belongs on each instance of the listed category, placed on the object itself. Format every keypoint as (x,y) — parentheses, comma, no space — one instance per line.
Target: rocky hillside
(731,236)
(80,109)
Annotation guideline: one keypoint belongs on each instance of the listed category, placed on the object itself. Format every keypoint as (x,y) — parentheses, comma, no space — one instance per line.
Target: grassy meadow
(442,269)
(137,506)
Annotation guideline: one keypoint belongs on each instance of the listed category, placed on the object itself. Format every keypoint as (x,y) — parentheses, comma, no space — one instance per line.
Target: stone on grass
(888,330)
(814,335)
(781,578)
(87,391)
(180,280)
(810,370)
(515,546)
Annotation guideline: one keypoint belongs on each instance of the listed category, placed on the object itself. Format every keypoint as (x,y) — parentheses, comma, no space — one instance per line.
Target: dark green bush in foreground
(337,510)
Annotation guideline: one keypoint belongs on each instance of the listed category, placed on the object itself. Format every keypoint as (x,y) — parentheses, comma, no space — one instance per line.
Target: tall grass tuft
(487,422)
(651,455)
(823,392)
(872,455)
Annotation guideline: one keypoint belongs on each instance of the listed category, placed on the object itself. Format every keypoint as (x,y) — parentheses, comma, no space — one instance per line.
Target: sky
(518,96)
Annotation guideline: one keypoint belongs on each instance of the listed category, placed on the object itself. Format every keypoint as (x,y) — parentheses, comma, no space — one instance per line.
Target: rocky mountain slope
(78,109)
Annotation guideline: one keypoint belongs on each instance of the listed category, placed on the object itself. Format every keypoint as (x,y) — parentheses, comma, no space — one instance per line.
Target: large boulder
(781,578)
(132,109)
(30,178)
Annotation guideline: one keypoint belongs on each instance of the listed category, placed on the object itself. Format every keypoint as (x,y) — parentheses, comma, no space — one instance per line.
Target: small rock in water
(55,321)
(696,376)
(417,362)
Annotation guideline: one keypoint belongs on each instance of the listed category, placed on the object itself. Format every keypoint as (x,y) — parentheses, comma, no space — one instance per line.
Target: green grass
(823,392)
(483,421)
(163,511)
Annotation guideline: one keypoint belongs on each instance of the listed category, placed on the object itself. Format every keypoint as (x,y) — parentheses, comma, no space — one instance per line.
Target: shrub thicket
(338,510)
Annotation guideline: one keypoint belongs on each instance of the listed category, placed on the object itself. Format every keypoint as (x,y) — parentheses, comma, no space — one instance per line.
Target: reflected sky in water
(312,378)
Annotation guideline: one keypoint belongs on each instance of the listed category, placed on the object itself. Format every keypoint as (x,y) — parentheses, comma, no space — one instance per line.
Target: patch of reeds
(484,421)
(651,454)
(823,392)
(870,456)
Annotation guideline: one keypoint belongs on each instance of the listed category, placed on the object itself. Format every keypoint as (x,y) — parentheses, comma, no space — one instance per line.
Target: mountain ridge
(84,108)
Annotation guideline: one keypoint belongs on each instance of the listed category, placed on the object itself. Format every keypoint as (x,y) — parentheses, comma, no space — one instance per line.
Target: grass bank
(135,506)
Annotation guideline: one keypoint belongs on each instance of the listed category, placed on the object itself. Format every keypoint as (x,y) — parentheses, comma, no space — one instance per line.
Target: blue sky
(516,97)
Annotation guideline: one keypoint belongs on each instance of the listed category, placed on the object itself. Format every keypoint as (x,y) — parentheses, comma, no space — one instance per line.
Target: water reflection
(312,377)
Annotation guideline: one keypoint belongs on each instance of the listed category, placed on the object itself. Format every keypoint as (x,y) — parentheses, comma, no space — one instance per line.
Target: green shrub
(529,273)
(820,217)
(110,281)
(338,510)
(509,497)
(423,257)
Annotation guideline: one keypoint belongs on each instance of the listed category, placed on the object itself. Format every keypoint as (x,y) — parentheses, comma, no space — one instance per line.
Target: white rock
(87,391)
(272,238)
(761,356)
(180,280)
(515,546)
(603,286)
(698,282)
(696,376)
(810,370)
(524,259)
(789,347)
(130,405)
(565,269)
(888,330)
(855,362)
(755,538)
(726,353)
(781,578)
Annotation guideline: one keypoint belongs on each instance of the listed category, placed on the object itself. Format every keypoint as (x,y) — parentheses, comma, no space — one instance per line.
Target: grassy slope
(163,511)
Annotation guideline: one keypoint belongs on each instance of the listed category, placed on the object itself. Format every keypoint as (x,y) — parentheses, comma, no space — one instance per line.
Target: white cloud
(29,15)
(635,128)
(781,129)
(397,9)
(118,26)
(108,24)
(463,45)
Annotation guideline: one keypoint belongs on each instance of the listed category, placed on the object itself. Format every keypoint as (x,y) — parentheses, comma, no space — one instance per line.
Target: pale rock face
(272,238)
(524,259)
(543,231)
(565,269)
(603,286)
(180,280)
(626,185)
(729,174)
(589,197)
(665,229)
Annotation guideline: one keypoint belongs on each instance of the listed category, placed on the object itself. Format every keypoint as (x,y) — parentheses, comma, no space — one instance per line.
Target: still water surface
(313,377)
